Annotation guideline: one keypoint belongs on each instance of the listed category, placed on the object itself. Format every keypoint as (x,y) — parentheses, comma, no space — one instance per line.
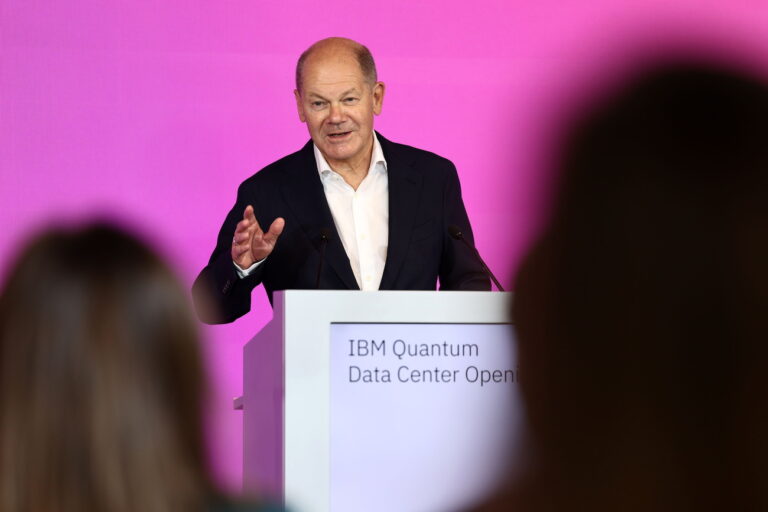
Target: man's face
(338,106)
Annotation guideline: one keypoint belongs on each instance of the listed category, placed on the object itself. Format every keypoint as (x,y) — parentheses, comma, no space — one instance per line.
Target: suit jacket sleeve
(219,294)
(459,268)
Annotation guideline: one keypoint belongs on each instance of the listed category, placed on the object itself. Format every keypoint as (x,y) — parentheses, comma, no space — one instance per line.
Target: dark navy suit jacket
(424,199)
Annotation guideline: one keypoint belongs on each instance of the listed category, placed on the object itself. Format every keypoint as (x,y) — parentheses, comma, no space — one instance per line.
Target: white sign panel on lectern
(420,414)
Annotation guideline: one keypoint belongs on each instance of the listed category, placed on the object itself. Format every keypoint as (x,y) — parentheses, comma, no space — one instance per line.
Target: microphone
(325,237)
(456,234)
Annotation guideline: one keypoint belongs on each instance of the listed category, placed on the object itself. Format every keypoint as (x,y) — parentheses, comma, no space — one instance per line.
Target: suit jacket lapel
(303,192)
(404,191)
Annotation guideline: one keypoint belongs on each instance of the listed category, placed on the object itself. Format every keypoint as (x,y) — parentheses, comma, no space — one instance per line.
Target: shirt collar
(377,156)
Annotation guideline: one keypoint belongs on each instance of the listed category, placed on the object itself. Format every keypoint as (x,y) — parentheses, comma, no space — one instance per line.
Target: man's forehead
(333,78)
(324,90)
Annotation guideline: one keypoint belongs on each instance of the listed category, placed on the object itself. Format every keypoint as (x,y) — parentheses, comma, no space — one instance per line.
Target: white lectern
(393,400)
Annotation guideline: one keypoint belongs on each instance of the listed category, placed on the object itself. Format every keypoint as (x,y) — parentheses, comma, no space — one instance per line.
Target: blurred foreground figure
(100,381)
(643,311)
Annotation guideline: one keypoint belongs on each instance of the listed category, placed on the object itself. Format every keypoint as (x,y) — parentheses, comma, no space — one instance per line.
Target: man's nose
(336,115)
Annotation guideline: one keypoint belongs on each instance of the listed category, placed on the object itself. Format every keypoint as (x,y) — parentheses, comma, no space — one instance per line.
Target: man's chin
(338,152)
(337,157)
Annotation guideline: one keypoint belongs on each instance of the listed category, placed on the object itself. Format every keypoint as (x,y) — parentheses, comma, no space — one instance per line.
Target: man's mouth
(338,135)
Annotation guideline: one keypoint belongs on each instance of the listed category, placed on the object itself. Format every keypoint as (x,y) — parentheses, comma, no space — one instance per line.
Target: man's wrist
(245,272)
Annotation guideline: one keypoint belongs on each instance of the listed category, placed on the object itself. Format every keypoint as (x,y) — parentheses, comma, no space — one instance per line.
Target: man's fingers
(248,214)
(246,227)
(240,237)
(240,250)
(242,226)
(274,230)
(277,226)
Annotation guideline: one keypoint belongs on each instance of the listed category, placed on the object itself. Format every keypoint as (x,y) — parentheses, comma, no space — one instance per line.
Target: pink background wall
(153,112)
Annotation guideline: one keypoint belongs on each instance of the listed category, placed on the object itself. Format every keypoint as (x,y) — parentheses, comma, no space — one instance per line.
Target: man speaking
(350,210)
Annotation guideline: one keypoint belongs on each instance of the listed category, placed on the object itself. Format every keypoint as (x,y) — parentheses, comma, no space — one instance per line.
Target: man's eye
(350,100)
(317,104)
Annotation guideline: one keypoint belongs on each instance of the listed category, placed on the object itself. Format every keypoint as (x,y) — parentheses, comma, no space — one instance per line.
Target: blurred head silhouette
(100,380)
(642,312)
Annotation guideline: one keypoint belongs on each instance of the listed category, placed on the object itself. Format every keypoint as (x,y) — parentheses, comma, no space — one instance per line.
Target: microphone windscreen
(455,232)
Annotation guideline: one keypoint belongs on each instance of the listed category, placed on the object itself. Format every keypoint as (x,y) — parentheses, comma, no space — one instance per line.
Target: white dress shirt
(361,217)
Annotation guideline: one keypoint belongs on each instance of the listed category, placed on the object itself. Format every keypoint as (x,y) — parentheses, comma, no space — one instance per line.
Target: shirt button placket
(361,230)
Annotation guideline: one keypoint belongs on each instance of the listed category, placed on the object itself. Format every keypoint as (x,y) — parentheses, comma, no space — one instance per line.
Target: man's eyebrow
(345,93)
(317,96)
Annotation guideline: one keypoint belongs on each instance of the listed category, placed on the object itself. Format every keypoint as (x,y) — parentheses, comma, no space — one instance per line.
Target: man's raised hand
(250,244)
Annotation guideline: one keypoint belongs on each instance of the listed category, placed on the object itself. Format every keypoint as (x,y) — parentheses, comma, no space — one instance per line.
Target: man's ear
(299,106)
(378,97)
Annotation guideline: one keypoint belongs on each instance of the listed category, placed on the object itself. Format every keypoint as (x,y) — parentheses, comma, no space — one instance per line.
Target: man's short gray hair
(361,53)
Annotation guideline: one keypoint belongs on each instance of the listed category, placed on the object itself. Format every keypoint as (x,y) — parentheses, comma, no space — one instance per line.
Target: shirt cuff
(245,272)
